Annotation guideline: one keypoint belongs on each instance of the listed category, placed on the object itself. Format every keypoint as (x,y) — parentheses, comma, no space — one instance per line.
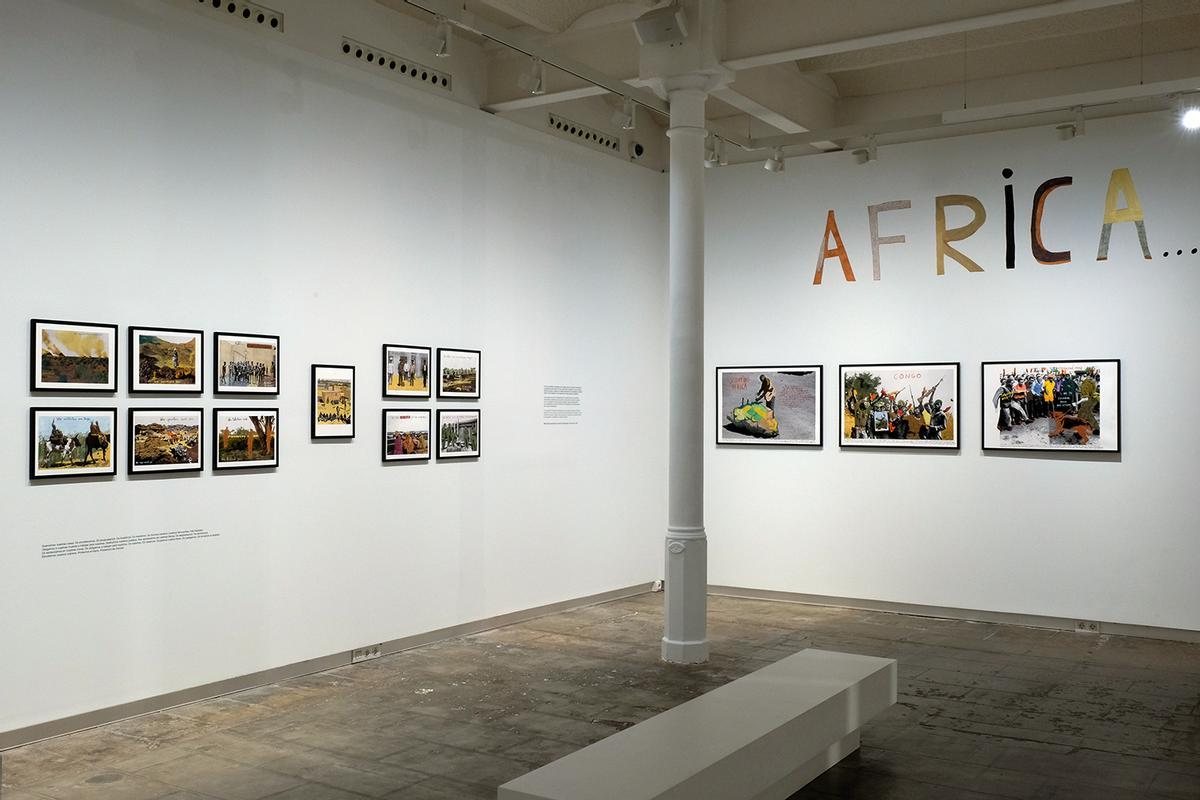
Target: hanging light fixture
(534,81)
(441,42)
(775,162)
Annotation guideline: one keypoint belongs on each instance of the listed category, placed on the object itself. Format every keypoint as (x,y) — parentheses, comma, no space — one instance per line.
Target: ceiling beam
(523,43)
(743,45)
(781,96)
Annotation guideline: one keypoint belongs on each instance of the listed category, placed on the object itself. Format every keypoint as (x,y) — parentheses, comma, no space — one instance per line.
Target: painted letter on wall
(876,240)
(824,253)
(944,237)
(1040,252)
(1121,183)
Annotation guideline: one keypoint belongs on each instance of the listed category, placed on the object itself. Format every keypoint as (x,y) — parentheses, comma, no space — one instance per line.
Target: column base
(684,652)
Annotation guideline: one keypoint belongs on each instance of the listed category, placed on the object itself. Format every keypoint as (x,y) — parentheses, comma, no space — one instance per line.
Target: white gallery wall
(1108,538)
(160,169)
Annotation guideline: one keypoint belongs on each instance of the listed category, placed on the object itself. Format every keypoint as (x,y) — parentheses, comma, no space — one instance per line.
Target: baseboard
(136,708)
(970,615)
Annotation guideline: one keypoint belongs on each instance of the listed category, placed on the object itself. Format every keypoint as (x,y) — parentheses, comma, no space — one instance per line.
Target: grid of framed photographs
(1039,405)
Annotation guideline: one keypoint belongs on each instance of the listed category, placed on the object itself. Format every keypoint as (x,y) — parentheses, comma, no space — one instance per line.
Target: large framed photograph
(332,401)
(245,364)
(900,405)
(72,356)
(406,434)
(777,406)
(406,370)
(1056,406)
(166,360)
(458,433)
(458,373)
(166,440)
(245,438)
(72,442)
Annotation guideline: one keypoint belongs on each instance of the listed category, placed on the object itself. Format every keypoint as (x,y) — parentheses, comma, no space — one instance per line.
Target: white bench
(761,737)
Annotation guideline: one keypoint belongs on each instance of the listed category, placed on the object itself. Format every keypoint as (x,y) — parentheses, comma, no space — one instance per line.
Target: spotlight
(775,162)
(534,81)
(441,42)
(1070,130)
(861,156)
(714,152)
(868,153)
(625,117)
(1190,118)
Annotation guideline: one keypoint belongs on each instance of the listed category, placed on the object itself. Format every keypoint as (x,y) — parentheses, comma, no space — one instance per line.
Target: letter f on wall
(944,237)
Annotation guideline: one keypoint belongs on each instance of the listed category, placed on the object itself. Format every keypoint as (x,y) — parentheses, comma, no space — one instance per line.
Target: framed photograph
(775,406)
(332,401)
(458,373)
(244,438)
(245,364)
(458,433)
(166,360)
(72,356)
(166,440)
(72,442)
(899,405)
(406,370)
(406,434)
(1055,406)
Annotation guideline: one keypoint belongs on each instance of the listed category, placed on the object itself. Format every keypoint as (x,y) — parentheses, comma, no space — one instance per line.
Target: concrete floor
(985,711)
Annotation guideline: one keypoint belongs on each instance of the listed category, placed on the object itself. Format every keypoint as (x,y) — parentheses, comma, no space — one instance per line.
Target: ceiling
(804,65)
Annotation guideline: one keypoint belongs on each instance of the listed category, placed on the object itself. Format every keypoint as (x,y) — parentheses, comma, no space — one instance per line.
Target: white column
(685,639)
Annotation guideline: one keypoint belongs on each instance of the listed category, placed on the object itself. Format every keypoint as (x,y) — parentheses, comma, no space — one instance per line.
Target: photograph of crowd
(246,364)
(406,434)
(332,401)
(1051,405)
(899,405)
(458,434)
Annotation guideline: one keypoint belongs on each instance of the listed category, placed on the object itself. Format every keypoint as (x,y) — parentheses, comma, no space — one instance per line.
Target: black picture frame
(750,441)
(39,472)
(986,415)
(391,458)
(444,455)
(901,443)
(218,389)
(429,373)
(339,432)
(37,385)
(132,467)
(218,465)
(134,368)
(442,393)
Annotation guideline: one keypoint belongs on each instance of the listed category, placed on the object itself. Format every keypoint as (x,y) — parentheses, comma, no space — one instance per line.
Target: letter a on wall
(944,237)
(1121,183)
(824,253)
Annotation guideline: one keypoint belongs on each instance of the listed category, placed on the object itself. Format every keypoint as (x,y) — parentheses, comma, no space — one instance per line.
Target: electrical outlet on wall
(366,653)
(1087,626)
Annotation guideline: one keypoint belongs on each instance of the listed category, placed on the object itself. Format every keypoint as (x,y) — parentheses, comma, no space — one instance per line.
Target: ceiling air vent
(402,69)
(583,133)
(250,13)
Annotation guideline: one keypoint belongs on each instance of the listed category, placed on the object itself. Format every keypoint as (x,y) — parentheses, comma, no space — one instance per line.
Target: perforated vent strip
(396,66)
(252,13)
(583,132)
